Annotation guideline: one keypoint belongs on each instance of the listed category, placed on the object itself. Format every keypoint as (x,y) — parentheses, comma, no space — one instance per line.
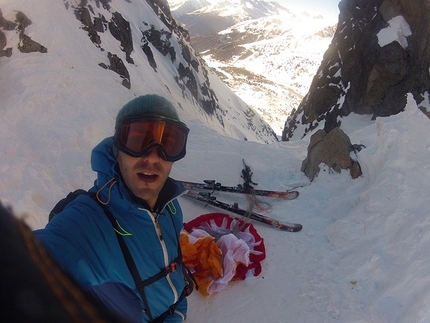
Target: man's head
(149,137)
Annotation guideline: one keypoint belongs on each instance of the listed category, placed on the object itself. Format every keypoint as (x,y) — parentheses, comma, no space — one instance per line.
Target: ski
(215,186)
(208,198)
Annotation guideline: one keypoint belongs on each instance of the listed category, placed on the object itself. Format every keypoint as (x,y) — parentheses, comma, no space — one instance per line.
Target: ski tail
(208,198)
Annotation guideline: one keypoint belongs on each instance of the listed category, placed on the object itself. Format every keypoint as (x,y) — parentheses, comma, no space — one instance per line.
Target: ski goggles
(136,136)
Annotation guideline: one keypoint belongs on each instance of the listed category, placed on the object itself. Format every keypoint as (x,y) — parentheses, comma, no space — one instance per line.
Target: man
(133,185)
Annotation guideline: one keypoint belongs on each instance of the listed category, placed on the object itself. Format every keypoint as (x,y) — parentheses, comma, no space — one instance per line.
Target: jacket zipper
(165,254)
(163,245)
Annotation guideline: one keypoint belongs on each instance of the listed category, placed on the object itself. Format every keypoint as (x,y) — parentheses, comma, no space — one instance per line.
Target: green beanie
(150,104)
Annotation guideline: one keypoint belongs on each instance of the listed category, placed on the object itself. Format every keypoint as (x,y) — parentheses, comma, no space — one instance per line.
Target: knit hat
(149,104)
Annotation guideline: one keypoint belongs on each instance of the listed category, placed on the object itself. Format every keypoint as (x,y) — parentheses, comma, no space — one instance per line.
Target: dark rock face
(26,44)
(360,73)
(84,16)
(120,29)
(4,52)
(153,40)
(117,65)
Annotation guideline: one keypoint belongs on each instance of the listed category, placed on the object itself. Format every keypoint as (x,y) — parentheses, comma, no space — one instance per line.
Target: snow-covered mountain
(210,16)
(83,64)
(267,55)
(151,55)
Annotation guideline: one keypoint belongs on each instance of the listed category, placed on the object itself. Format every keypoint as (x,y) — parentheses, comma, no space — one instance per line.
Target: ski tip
(298,228)
(292,227)
(291,195)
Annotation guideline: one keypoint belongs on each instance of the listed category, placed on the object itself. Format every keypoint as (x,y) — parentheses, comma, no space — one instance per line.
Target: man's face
(146,175)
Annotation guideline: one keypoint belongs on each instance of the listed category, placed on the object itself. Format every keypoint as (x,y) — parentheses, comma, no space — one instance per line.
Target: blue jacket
(82,240)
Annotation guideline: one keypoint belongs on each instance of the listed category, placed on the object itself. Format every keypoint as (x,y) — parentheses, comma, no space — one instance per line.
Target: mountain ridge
(129,37)
(268,61)
(207,17)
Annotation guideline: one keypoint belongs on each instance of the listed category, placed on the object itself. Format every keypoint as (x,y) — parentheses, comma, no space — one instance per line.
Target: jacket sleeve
(72,238)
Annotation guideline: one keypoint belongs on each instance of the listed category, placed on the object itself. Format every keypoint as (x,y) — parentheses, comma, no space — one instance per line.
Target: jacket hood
(103,162)
(109,181)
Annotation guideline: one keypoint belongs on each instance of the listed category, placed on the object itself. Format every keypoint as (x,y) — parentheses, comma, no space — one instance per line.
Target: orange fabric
(204,257)
(209,256)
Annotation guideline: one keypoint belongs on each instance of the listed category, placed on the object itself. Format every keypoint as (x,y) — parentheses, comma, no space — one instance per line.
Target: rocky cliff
(379,53)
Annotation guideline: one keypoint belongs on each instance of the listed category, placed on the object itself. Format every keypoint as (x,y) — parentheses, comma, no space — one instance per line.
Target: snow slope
(66,103)
(362,254)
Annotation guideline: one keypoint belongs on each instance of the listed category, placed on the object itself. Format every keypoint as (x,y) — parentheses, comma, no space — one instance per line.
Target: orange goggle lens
(136,137)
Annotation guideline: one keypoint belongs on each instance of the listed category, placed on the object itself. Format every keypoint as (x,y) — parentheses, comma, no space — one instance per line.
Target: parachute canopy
(219,249)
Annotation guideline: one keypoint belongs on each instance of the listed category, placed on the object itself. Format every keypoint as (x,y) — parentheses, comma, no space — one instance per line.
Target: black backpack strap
(169,269)
(63,202)
(140,284)
(129,261)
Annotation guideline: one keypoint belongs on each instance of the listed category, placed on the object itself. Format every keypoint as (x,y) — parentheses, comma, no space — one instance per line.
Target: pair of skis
(215,186)
(208,198)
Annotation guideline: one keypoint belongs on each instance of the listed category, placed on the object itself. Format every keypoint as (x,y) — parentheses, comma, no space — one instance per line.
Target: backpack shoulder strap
(64,202)
(128,258)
